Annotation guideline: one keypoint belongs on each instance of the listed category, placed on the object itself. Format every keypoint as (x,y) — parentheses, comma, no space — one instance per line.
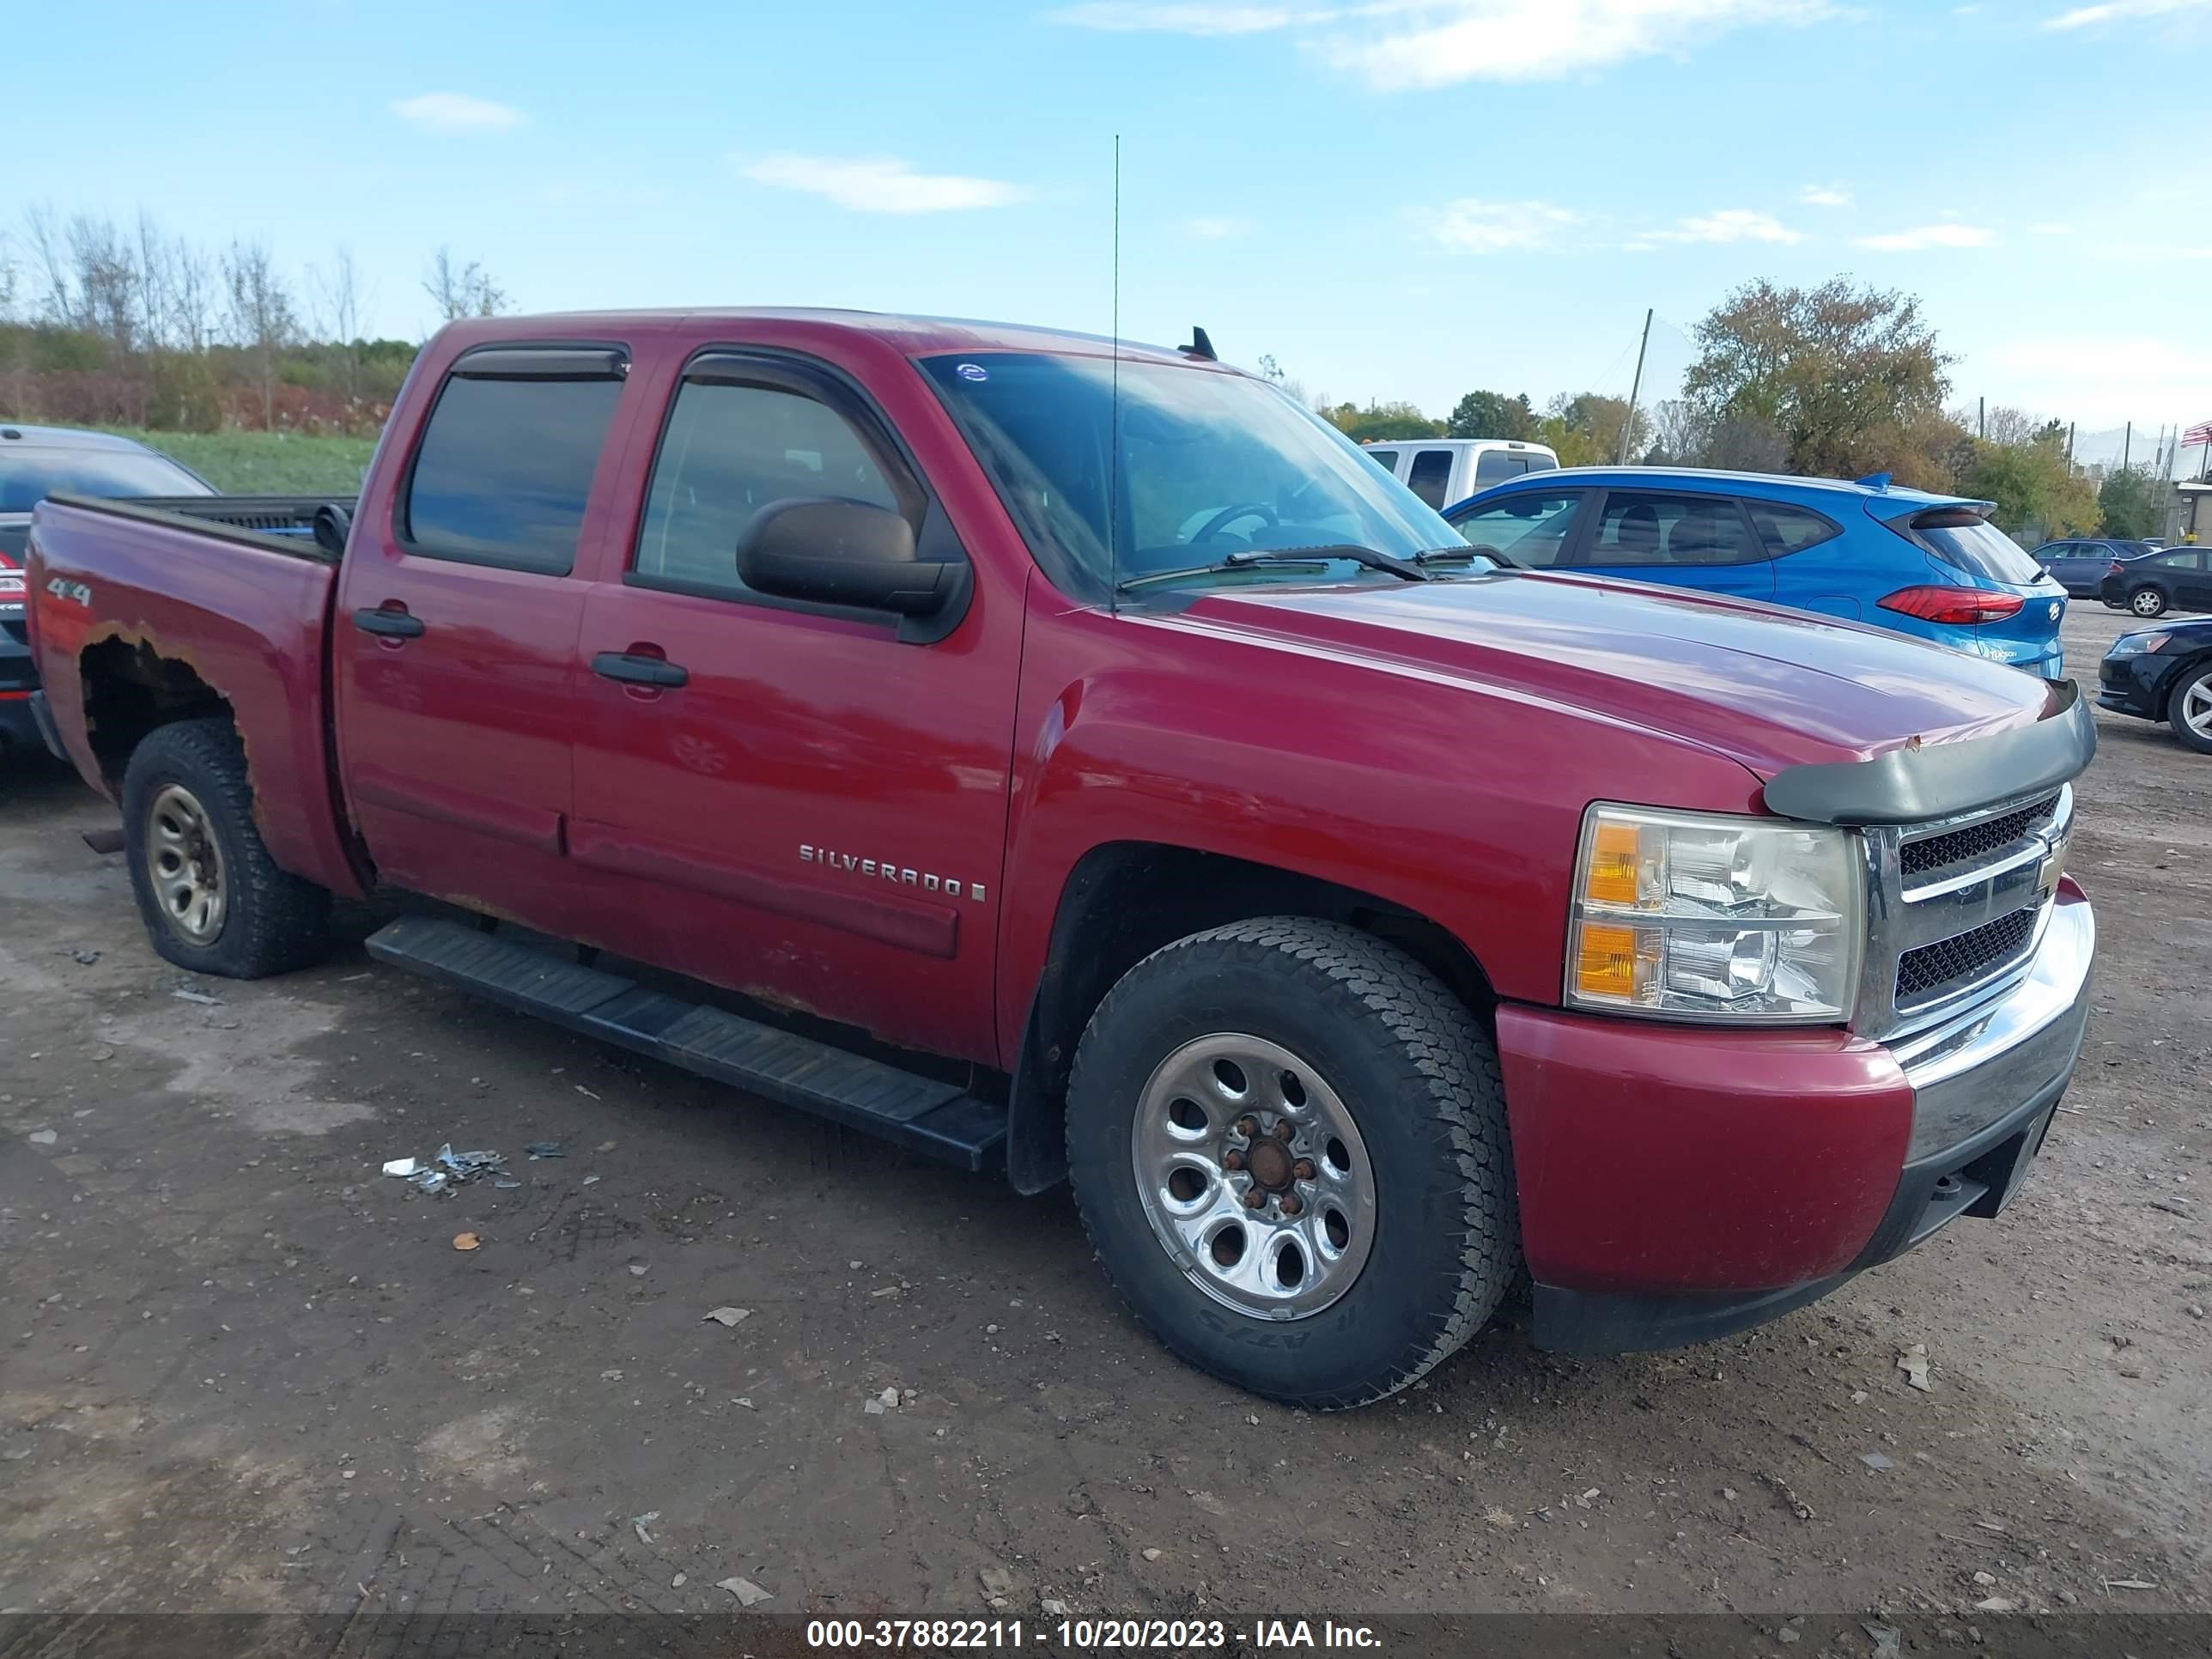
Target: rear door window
(1531,527)
(505,468)
(1496,465)
(1967,542)
(1646,528)
(1786,530)
(1431,475)
(1385,459)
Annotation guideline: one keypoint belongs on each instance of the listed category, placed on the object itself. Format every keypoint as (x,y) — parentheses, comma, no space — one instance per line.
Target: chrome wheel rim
(186,864)
(1253,1177)
(2148,603)
(2196,709)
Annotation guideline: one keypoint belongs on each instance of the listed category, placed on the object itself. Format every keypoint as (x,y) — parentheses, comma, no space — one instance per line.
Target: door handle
(391,624)
(634,669)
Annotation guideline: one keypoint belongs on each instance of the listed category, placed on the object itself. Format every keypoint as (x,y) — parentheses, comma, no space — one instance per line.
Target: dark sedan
(35,461)
(2166,675)
(2079,566)
(2176,579)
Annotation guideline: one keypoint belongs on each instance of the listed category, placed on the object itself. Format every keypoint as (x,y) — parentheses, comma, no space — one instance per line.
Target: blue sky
(1394,197)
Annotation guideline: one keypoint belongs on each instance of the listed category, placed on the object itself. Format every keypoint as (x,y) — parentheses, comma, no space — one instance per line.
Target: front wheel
(1288,1145)
(2189,713)
(212,899)
(2147,602)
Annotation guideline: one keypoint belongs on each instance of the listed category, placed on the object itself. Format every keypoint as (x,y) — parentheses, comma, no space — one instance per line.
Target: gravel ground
(240,1371)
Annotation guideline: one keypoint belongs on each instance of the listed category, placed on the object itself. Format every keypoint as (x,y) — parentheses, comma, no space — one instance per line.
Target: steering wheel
(1229,516)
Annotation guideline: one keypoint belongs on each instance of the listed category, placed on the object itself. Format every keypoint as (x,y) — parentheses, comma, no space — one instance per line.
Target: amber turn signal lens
(1605,966)
(1612,878)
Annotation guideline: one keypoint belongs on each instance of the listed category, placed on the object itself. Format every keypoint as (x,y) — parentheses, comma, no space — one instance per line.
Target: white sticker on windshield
(972,371)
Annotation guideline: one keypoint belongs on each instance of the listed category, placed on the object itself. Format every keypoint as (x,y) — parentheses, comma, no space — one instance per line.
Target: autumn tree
(1836,373)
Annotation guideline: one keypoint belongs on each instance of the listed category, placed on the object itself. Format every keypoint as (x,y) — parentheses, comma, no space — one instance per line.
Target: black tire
(2200,682)
(271,922)
(1420,1079)
(2147,602)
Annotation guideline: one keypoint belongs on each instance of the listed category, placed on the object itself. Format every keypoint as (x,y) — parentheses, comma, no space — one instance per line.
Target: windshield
(1980,548)
(1209,464)
(27,477)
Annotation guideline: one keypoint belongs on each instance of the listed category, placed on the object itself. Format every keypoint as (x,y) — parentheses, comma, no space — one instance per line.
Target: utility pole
(2127,445)
(2070,443)
(1628,421)
(1981,417)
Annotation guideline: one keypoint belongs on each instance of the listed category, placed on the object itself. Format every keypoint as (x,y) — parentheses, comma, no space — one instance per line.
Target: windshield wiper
(1285,558)
(1461,555)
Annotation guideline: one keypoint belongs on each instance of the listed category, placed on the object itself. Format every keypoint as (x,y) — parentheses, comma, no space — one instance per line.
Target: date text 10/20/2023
(1088,1635)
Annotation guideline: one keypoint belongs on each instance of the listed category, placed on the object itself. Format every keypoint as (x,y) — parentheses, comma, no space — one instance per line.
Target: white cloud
(1924,237)
(1729,225)
(456,112)
(1193,19)
(2098,378)
(1394,44)
(2123,11)
(1473,226)
(1544,39)
(1218,230)
(1827,196)
(879,183)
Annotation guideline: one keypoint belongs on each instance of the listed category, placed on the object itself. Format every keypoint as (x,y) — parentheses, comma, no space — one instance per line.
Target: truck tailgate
(152,601)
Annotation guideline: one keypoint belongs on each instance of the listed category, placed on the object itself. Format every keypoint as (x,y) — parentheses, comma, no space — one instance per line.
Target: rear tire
(212,899)
(2188,711)
(2147,602)
(1333,1076)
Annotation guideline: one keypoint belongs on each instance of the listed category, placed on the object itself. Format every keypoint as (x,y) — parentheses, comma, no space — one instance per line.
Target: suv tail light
(1938,604)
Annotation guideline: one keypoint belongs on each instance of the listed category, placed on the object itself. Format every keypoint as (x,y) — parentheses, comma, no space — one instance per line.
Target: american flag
(2197,434)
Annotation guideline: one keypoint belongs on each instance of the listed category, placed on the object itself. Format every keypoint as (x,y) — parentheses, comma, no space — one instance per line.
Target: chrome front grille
(1928,970)
(1955,908)
(1976,843)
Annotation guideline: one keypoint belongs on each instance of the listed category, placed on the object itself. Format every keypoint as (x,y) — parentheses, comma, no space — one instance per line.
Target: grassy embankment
(264,463)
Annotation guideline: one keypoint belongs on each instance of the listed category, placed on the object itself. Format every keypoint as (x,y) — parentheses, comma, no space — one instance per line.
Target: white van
(1442,470)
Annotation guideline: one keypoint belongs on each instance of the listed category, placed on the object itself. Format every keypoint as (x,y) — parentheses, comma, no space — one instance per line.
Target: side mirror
(841,552)
(332,523)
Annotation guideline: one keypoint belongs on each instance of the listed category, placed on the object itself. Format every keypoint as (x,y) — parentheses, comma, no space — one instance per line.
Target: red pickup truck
(1081,758)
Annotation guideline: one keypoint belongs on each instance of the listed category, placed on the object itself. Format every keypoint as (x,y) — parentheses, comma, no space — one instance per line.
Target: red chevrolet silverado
(1079,758)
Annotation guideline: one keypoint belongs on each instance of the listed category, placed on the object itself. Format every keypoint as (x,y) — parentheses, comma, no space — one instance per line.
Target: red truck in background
(1080,757)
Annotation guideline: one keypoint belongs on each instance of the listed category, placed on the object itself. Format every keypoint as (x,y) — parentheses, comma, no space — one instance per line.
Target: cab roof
(912,335)
(15,434)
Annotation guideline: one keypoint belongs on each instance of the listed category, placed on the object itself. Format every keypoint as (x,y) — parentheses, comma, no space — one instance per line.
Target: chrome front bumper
(1980,1066)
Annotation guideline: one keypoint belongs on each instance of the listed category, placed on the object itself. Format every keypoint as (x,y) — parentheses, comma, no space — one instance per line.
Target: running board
(940,1120)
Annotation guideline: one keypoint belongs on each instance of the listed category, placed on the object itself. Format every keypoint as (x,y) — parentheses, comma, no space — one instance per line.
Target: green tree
(2037,491)
(1840,373)
(1491,414)
(1382,422)
(2128,504)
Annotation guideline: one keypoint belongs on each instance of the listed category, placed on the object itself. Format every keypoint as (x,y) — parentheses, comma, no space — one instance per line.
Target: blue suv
(1933,566)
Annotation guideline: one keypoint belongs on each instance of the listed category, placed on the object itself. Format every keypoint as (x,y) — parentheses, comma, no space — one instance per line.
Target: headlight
(2138,644)
(1693,916)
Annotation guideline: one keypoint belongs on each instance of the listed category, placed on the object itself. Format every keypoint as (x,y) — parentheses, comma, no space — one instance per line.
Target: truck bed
(287,522)
(231,589)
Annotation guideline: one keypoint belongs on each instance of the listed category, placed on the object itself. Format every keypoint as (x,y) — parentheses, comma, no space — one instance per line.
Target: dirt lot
(239,1369)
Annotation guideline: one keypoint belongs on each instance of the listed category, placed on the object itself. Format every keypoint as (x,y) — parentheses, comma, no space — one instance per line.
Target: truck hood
(1769,687)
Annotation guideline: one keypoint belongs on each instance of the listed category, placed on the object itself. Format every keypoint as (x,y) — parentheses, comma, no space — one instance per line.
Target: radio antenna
(1113,438)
